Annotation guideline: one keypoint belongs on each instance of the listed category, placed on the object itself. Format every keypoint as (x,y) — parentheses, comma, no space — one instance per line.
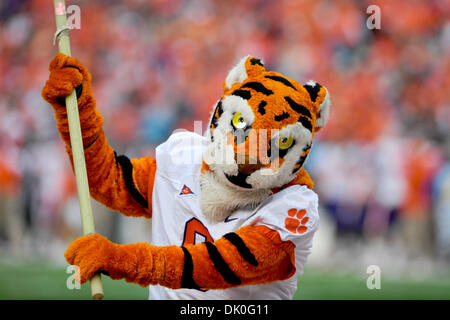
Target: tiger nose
(247,164)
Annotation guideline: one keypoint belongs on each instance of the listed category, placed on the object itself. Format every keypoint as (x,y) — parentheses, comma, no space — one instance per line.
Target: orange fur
(146,264)
(273,255)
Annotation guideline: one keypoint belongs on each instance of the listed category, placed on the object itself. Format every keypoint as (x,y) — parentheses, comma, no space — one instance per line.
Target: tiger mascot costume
(233,210)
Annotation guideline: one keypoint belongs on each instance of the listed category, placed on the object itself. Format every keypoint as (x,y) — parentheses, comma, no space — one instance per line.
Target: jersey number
(195,232)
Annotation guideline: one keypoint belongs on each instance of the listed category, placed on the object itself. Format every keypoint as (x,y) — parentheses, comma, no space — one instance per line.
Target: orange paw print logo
(296,224)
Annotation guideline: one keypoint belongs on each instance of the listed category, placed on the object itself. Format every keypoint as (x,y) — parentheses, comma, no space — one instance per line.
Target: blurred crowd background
(381,165)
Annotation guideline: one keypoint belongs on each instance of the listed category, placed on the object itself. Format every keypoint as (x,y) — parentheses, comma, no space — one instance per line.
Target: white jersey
(177,218)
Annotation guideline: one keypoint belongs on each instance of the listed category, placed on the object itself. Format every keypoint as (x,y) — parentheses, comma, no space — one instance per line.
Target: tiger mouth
(239,179)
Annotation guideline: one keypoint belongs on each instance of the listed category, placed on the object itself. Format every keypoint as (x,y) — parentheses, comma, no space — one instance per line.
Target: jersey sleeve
(293,213)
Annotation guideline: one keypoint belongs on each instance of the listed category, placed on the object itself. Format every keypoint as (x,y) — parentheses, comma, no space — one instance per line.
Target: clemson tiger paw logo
(296,224)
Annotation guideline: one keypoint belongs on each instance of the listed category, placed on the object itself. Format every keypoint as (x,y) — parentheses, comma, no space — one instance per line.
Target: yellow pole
(87,220)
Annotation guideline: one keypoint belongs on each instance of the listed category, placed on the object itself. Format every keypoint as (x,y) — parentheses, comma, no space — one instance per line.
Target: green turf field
(40,281)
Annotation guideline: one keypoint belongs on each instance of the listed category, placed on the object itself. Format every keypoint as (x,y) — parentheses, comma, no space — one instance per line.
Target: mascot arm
(251,255)
(121,184)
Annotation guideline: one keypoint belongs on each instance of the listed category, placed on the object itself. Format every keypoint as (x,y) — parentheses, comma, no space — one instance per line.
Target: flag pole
(87,220)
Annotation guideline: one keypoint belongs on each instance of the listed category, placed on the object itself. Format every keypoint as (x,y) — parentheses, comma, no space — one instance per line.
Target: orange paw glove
(90,254)
(139,263)
(67,74)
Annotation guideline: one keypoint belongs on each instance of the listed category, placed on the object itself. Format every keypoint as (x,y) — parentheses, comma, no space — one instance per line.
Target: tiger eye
(285,142)
(238,121)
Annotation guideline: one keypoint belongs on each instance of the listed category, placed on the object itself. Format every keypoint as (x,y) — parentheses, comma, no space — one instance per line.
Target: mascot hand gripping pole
(233,210)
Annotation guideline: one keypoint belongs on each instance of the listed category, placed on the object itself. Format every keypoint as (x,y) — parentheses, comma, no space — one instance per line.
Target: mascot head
(260,135)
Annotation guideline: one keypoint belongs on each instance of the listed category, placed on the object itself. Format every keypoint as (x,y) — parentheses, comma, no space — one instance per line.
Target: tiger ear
(247,67)
(319,95)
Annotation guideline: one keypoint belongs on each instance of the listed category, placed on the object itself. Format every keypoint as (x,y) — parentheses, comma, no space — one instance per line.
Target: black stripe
(218,109)
(299,162)
(282,116)
(259,87)
(308,146)
(256,61)
(245,94)
(313,90)
(187,280)
(302,158)
(298,107)
(282,80)
(261,107)
(242,248)
(127,169)
(221,266)
(115,158)
(305,122)
(214,118)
